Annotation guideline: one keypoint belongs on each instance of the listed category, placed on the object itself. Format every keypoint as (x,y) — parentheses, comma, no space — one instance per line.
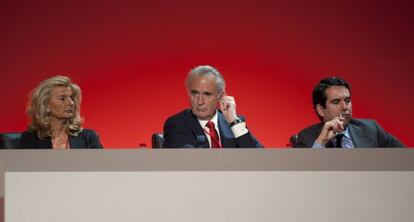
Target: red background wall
(131,59)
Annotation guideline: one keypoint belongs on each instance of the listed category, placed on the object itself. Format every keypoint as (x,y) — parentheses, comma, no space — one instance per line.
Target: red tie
(215,142)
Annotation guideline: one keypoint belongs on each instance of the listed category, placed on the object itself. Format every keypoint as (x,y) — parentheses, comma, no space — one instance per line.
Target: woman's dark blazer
(86,139)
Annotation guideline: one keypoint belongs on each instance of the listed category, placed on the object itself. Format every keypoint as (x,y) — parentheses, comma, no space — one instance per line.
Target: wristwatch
(236,121)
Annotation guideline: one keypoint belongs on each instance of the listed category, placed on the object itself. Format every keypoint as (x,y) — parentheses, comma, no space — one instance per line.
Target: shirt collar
(214,120)
(346,133)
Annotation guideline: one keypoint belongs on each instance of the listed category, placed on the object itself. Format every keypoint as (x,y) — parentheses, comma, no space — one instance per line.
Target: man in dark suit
(332,103)
(204,126)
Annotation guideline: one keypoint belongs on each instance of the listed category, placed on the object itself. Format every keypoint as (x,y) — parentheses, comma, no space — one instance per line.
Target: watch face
(238,120)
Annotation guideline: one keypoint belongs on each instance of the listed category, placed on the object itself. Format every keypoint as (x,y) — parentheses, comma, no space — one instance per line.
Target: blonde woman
(54,110)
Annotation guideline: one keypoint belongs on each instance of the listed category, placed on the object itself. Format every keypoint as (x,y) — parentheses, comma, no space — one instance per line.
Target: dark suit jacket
(86,139)
(364,133)
(184,131)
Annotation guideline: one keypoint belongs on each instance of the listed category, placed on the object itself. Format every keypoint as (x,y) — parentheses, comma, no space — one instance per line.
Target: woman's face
(62,103)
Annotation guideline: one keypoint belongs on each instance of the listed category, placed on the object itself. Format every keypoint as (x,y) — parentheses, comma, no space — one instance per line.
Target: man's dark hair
(319,92)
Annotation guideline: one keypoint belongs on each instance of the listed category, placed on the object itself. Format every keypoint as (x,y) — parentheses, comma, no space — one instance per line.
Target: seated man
(204,126)
(333,105)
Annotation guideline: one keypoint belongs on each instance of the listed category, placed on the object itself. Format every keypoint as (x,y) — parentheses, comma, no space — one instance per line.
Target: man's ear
(320,110)
(219,98)
(221,95)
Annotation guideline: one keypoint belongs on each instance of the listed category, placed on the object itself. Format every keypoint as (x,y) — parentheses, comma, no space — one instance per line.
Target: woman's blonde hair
(40,114)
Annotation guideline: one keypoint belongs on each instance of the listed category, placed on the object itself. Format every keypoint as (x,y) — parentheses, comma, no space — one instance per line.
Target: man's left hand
(228,107)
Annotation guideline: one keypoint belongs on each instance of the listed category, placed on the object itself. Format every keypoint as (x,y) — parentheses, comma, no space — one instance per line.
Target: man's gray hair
(203,71)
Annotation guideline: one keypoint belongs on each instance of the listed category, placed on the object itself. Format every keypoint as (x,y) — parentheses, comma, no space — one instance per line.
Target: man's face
(338,102)
(204,96)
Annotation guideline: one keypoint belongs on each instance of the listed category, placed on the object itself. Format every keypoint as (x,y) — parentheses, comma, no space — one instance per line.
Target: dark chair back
(10,140)
(157,140)
(293,140)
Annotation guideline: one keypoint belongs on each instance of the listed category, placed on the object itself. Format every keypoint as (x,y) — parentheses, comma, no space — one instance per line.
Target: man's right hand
(330,129)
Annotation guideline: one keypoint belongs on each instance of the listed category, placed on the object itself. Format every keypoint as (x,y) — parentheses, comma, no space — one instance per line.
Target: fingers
(228,107)
(227,102)
(330,129)
(336,125)
(340,124)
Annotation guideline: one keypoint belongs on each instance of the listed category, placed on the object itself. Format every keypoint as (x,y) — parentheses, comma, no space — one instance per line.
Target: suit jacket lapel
(226,135)
(44,143)
(76,142)
(198,132)
(357,135)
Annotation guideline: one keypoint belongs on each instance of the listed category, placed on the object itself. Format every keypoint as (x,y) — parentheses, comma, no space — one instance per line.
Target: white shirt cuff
(317,145)
(239,129)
